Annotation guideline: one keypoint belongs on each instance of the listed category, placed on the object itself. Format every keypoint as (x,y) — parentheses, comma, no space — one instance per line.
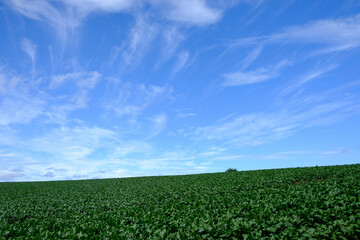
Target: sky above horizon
(121,88)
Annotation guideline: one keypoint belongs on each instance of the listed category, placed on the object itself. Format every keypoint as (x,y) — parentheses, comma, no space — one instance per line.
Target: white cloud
(17,103)
(251,57)
(302,154)
(36,9)
(78,150)
(172,37)
(89,6)
(182,61)
(159,124)
(310,76)
(10,83)
(259,75)
(244,78)
(335,152)
(139,41)
(252,129)
(9,155)
(74,143)
(84,80)
(129,147)
(196,12)
(260,128)
(331,35)
(151,161)
(6,175)
(229,158)
(77,85)
(62,20)
(75,152)
(340,33)
(185,115)
(30,49)
(131,99)
(68,15)
(20,110)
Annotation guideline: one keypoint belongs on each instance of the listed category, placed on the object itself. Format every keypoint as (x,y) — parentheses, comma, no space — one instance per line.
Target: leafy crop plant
(297,203)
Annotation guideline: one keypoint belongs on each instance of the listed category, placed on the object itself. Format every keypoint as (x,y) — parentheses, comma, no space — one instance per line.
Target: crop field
(296,203)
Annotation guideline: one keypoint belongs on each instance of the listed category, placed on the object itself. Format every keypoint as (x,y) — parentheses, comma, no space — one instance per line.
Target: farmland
(317,202)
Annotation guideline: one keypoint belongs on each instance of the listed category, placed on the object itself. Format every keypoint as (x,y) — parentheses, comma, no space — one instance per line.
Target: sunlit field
(317,202)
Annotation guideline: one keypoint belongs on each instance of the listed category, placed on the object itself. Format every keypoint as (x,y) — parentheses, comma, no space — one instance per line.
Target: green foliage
(231,170)
(298,203)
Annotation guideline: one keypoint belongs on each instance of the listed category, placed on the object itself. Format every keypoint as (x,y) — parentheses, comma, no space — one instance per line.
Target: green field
(301,203)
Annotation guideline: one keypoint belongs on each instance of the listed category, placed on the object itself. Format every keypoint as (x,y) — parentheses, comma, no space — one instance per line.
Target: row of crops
(301,203)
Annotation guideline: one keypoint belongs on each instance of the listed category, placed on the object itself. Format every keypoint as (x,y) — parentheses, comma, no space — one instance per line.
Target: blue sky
(120,88)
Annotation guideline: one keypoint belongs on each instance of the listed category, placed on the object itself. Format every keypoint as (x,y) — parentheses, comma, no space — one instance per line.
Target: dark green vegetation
(298,203)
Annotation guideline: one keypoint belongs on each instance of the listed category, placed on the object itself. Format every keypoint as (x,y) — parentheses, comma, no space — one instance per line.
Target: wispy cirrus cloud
(250,129)
(86,80)
(138,43)
(77,86)
(331,35)
(295,115)
(251,57)
(24,100)
(182,61)
(159,123)
(11,83)
(74,143)
(250,77)
(131,99)
(172,37)
(30,49)
(195,12)
(185,115)
(338,34)
(18,105)
(88,6)
(63,20)
(309,76)
(68,15)
(20,109)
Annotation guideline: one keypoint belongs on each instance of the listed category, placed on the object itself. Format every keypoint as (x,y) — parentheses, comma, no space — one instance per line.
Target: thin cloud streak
(24,100)
(89,6)
(139,41)
(256,76)
(30,49)
(195,12)
(182,62)
(172,38)
(131,99)
(332,35)
(159,123)
(310,76)
(81,79)
(20,110)
(251,57)
(260,128)
(66,19)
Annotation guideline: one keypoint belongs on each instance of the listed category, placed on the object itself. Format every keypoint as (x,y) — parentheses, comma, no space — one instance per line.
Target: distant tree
(231,170)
